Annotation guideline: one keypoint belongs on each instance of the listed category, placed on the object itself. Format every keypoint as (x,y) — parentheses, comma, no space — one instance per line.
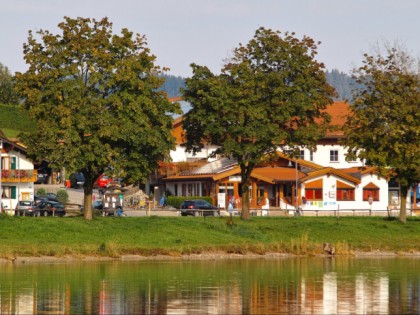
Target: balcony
(18,176)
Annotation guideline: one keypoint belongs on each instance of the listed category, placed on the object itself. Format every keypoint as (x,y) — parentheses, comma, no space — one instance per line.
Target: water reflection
(285,286)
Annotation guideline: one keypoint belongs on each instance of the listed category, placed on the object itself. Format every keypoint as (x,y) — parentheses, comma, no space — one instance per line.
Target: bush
(62,195)
(175,201)
(41,191)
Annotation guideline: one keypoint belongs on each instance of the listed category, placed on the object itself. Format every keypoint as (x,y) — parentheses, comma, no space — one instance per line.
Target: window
(5,163)
(311,156)
(302,154)
(8,192)
(345,194)
(371,190)
(13,163)
(313,194)
(333,155)
(313,190)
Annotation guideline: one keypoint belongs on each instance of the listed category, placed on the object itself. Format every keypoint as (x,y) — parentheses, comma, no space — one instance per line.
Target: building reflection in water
(290,286)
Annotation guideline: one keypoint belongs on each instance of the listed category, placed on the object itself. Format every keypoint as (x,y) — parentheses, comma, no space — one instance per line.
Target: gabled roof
(333,171)
(339,111)
(301,162)
(277,174)
(12,144)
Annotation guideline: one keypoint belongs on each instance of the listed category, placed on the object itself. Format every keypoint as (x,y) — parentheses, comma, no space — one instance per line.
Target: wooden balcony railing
(174,168)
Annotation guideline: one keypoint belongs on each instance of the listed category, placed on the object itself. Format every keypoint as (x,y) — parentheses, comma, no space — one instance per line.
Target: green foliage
(384,126)
(175,201)
(7,94)
(94,96)
(13,120)
(41,191)
(270,94)
(62,196)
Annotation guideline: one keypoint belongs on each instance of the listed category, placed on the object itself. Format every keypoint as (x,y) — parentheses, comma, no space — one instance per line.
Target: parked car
(48,208)
(97,204)
(25,208)
(196,207)
(46,197)
(77,180)
(42,177)
(103,181)
(52,197)
(39,198)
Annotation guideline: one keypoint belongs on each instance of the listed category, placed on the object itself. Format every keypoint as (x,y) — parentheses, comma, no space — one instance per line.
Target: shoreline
(196,257)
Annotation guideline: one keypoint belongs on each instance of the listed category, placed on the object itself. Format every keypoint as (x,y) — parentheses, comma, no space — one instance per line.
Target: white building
(325,179)
(17,175)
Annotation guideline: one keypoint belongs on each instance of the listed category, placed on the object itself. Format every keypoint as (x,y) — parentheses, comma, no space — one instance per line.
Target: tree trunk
(88,188)
(245,201)
(245,179)
(403,205)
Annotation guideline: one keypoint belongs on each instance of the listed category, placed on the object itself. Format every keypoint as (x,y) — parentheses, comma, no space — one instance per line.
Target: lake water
(248,286)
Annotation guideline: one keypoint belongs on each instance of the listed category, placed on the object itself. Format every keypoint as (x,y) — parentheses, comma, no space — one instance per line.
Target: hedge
(176,201)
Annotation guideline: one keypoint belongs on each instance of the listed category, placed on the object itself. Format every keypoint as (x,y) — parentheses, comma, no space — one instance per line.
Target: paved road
(76,196)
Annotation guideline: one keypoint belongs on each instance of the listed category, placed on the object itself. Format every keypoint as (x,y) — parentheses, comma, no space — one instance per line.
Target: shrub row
(176,201)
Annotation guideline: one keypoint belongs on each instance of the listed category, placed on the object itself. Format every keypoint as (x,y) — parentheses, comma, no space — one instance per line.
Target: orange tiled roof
(339,111)
(330,170)
(278,173)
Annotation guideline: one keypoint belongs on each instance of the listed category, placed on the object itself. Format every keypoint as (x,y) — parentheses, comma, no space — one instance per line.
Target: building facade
(17,175)
(318,180)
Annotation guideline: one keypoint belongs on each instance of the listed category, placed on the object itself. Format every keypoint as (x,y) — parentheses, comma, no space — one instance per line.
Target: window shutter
(13,192)
(13,164)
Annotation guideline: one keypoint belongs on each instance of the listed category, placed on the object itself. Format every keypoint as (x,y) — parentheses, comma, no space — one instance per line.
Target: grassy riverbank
(174,236)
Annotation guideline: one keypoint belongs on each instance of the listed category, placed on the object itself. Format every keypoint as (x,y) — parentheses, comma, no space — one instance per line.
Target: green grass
(10,133)
(174,236)
(13,120)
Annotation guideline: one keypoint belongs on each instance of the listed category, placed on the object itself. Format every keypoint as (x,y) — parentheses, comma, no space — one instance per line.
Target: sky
(205,32)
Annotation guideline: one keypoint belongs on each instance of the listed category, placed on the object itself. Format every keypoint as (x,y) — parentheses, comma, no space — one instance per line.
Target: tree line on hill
(342,82)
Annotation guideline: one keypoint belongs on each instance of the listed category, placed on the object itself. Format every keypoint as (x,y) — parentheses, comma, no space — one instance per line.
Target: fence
(279,212)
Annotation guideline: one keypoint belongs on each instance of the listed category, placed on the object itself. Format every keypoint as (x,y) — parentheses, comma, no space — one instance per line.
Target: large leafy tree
(7,94)
(384,125)
(270,94)
(94,97)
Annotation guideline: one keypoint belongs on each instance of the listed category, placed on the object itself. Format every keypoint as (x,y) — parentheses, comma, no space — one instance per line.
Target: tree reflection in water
(243,286)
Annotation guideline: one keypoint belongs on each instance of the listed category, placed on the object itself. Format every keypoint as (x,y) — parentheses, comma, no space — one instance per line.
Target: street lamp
(295,193)
(1,149)
(296,187)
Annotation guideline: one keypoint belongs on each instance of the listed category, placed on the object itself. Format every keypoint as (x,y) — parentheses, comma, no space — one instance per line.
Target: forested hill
(342,82)
(172,85)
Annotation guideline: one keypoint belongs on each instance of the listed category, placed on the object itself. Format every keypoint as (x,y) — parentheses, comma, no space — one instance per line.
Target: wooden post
(149,205)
